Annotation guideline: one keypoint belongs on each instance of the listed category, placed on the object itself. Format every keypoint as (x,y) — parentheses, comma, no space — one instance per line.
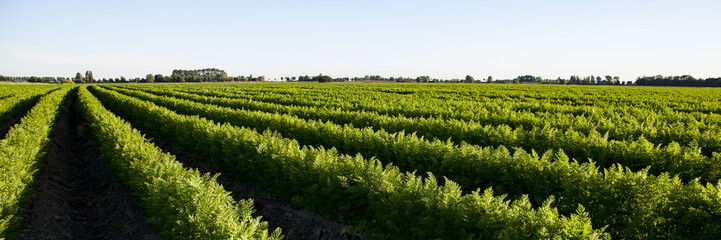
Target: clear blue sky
(441,39)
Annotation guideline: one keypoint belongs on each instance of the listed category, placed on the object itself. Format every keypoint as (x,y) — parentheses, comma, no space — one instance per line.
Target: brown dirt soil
(76,194)
(294,223)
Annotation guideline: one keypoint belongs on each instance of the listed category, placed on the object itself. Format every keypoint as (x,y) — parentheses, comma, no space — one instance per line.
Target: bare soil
(76,194)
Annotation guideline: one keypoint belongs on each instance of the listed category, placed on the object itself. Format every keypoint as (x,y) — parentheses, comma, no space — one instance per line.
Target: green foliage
(380,200)
(687,161)
(181,203)
(21,155)
(150,78)
(626,201)
(322,78)
(408,161)
(17,101)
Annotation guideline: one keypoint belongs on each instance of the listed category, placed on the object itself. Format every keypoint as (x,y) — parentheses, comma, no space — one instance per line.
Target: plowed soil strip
(76,194)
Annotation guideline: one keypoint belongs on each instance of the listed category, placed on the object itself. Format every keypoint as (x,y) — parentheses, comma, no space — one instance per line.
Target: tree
(149,78)
(490,79)
(89,76)
(526,78)
(197,75)
(322,78)
(78,78)
(469,79)
(305,78)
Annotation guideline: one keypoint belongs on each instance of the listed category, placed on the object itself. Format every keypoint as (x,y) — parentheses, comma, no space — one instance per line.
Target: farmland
(359,160)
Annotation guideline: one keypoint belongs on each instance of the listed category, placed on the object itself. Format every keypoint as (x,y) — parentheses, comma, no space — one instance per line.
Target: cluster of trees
(306,78)
(378,78)
(206,72)
(150,78)
(574,80)
(419,79)
(79,78)
(217,75)
(588,80)
(200,75)
(34,79)
(88,78)
(685,80)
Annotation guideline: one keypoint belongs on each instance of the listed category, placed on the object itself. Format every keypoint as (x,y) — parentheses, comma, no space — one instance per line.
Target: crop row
(181,203)
(630,124)
(21,155)
(675,99)
(606,195)
(447,103)
(688,162)
(16,104)
(379,200)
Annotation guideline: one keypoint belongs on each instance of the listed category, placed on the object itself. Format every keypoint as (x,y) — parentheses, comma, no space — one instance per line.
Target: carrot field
(359,161)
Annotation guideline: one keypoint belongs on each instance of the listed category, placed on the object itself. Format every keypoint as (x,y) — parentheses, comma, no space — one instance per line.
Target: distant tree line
(217,75)
(685,81)
(588,80)
(207,72)
(34,79)
(306,78)
(572,80)
(200,75)
(370,78)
